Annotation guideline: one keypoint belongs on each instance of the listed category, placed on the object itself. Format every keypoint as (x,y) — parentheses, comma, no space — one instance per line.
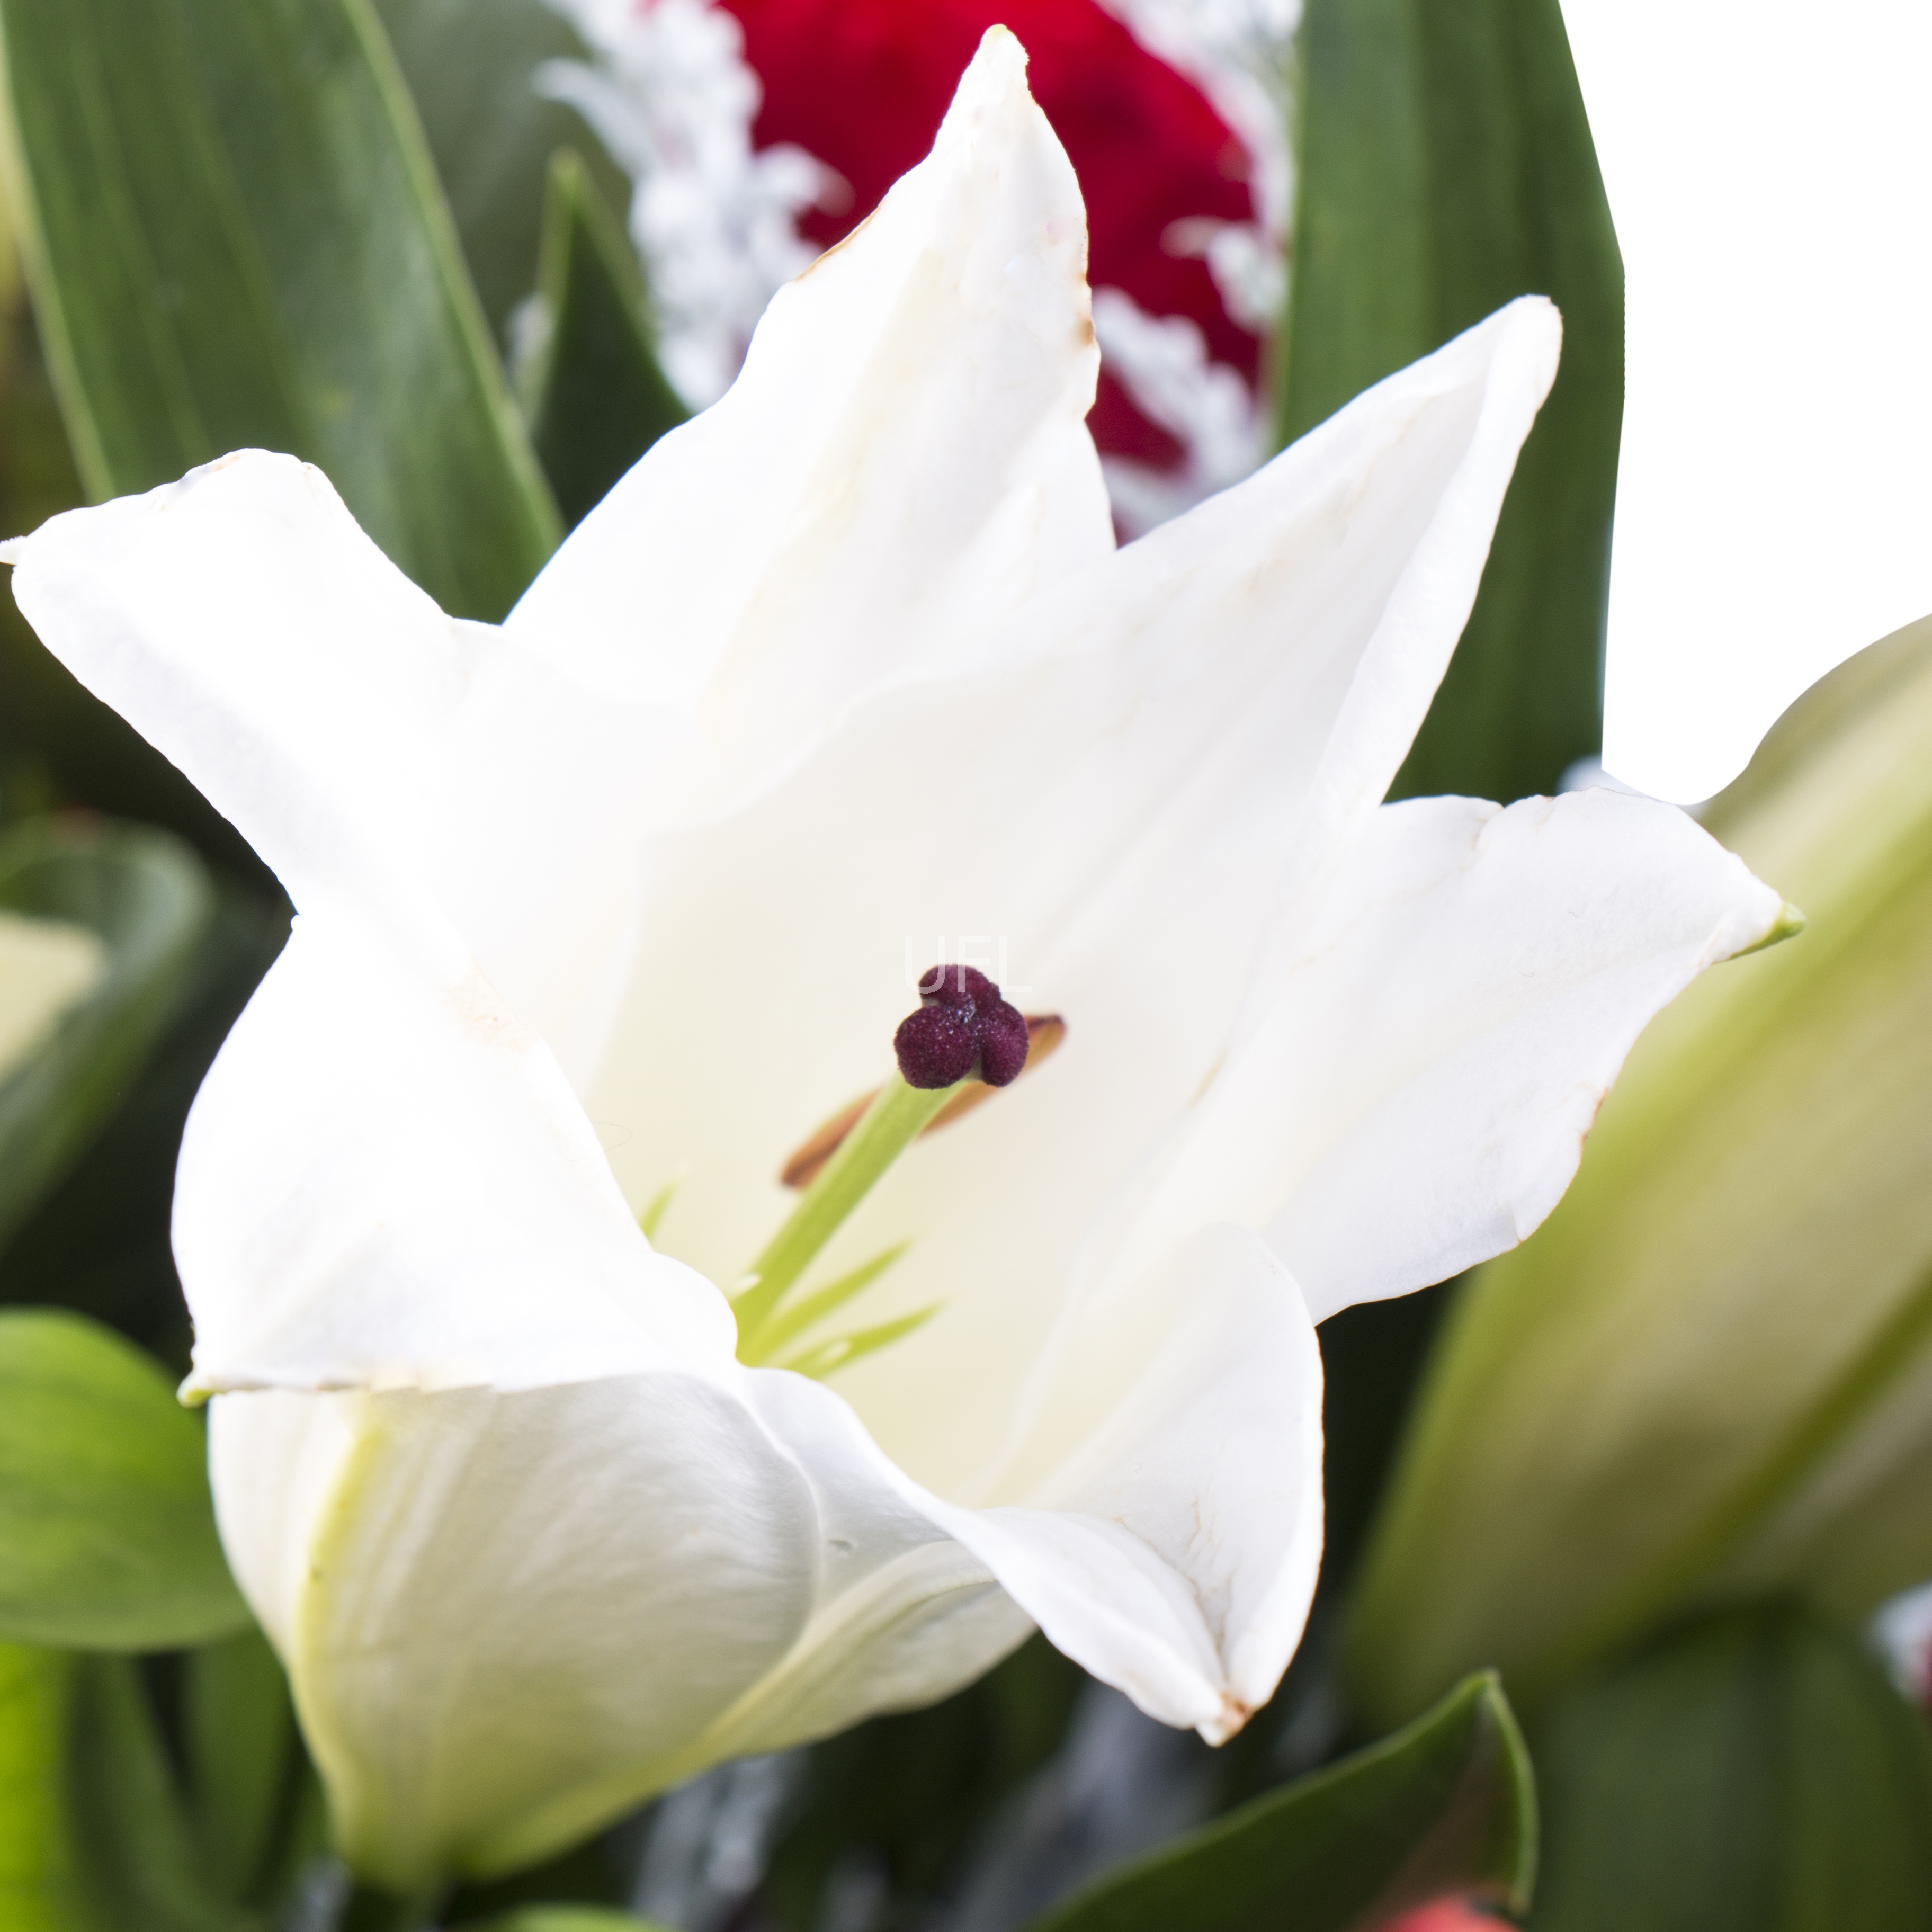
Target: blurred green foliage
(99,1830)
(107,1538)
(146,897)
(235,236)
(468,65)
(596,396)
(1754,1772)
(1444,1807)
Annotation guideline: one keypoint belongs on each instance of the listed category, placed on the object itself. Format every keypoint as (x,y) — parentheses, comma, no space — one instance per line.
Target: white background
(1769,168)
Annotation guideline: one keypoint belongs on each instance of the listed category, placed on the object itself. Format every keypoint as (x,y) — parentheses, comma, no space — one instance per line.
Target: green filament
(894,1121)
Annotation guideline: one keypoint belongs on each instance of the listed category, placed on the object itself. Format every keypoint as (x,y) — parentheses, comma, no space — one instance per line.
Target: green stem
(885,1130)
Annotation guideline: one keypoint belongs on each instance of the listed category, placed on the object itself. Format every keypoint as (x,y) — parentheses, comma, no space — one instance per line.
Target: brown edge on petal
(1044,1031)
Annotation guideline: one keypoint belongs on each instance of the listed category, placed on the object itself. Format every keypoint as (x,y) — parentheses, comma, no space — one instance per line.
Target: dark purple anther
(962,1023)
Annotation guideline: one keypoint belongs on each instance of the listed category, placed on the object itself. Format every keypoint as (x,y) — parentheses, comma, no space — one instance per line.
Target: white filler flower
(624,894)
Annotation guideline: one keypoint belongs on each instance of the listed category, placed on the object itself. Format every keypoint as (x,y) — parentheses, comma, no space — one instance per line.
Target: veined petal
(506,1617)
(1416,1098)
(903,462)
(1100,825)
(385,1181)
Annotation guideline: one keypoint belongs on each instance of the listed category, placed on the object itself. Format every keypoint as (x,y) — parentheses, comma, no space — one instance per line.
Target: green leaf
(135,1850)
(107,1538)
(92,1835)
(1708,1375)
(235,236)
(1446,166)
(1446,1806)
(36,1875)
(145,899)
(470,64)
(58,743)
(600,401)
(1755,1773)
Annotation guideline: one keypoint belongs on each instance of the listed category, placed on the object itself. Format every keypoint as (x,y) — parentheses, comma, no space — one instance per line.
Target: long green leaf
(107,1538)
(235,236)
(58,743)
(134,1848)
(1446,166)
(471,64)
(146,898)
(1446,1806)
(93,1838)
(1757,1773)
(600,400)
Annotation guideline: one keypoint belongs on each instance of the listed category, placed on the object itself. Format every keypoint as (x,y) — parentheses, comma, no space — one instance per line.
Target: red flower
(862,84)
(1446,1915)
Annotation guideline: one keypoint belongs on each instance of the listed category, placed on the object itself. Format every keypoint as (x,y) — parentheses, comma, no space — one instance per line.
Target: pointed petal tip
(1000,53)
(13,549)
(1536,322)
(1227,1722)
(1788,925)
(995,75)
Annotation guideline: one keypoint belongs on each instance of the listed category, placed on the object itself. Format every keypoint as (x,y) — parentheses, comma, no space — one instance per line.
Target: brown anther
(1044,1031)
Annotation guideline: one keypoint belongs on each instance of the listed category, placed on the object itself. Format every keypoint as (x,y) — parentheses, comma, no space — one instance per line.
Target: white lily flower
(848,667)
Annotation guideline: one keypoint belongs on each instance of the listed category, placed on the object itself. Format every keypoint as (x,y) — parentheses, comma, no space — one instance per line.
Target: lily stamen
(964,1034)
(1044,1032)
(962,1026)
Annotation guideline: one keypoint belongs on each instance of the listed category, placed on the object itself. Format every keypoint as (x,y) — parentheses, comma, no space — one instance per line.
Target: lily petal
(242,622)
(478,1591)
(1416,1098)
(904,1613)
(385,1181)
(866,539)
(381,757)
(403,1548)
(1166,1525)
(1157,1511)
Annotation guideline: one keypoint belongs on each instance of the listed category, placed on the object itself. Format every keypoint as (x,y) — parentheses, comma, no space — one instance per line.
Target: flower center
(964,1041)
(962,1024)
